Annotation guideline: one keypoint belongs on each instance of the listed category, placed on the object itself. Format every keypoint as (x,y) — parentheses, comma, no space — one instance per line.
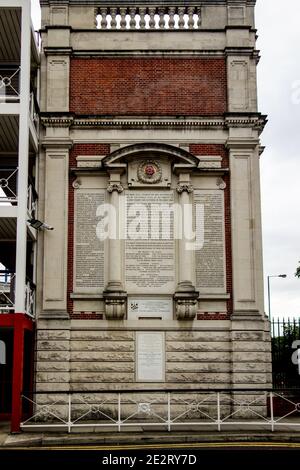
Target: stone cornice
(79,171)
(256,122)
(58,50)
(148,53)
(56,143)
(241,144)
(148,2)
(57,121)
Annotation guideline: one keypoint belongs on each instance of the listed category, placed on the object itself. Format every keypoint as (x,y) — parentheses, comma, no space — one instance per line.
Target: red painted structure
(20,324)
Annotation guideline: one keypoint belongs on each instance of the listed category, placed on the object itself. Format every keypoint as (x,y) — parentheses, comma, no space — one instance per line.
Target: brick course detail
(87,149)
(154,86)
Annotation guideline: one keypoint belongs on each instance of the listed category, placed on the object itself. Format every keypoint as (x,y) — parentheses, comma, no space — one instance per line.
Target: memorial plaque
(210,259)
(150,357)
(149,244)
(143,308)
(89,250)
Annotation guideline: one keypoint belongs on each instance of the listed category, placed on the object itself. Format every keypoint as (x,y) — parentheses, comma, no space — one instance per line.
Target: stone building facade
(145,103)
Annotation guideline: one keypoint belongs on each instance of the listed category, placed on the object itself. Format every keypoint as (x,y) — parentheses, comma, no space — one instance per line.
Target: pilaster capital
(182,187)
(115,187)
(242,143)
(61,144)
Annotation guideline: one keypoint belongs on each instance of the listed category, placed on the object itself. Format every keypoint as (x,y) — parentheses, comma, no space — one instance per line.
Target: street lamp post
(269,296)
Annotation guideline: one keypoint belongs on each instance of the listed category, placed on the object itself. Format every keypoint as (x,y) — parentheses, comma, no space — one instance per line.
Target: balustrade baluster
(142,12)
(152,11)
(123,12)
(161,13)
(181,11)
(103,12)
(132,22)
(191,17)
(113,14)
(171,17)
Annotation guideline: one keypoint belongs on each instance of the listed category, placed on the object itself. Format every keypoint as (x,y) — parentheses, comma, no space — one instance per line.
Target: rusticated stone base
(92,355)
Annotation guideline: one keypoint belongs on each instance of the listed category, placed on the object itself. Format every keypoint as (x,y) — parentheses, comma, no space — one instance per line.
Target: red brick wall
(211,149)
(153,86)
(87,149)
(217,149)
(78,149)
(86,316)
(213,316)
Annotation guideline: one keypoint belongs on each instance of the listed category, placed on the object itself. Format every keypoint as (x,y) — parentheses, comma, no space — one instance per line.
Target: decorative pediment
(177,155)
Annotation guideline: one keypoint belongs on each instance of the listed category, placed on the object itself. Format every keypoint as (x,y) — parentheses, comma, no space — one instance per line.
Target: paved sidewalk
(45,439)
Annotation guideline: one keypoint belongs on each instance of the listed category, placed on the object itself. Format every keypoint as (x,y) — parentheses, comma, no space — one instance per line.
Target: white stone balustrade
(148,17)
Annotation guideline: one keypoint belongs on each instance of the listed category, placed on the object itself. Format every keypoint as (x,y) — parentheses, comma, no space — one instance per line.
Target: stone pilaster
(185,296)
(55,241)
(114,294)
(246,227)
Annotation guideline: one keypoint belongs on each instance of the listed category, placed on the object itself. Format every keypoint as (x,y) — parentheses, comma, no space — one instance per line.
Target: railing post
(119,411)
(69,412)
(218,411)
(272,411)
(169,411)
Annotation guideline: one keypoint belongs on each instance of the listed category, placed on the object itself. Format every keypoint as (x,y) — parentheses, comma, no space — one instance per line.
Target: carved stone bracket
(186,309)
(186,301)
(115,301)
(181,187)
(221,184)
(115,187)
(76,183)
(115,308)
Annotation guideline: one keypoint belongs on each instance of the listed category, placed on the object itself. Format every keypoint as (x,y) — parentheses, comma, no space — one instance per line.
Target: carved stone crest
(149,171)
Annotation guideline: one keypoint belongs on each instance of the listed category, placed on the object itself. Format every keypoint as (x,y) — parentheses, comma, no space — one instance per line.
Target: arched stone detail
(177,154)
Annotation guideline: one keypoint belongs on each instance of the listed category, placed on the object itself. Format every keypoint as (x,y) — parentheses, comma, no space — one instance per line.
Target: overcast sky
(279,97)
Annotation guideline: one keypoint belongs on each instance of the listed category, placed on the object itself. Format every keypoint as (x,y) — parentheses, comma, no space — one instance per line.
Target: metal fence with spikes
(286,352)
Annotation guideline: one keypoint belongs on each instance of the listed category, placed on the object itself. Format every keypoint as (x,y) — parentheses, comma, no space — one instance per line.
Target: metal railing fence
(167,409)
